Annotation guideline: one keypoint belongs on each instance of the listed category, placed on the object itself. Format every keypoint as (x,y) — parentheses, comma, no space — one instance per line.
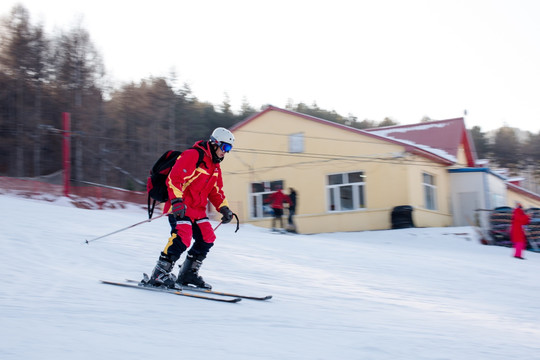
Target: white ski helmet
(222,135)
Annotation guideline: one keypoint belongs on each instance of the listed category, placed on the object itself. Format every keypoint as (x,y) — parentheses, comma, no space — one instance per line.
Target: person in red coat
(191,187)
(517,234)
(276,200)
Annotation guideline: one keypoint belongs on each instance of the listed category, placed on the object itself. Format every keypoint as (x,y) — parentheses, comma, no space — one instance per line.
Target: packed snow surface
(417,293)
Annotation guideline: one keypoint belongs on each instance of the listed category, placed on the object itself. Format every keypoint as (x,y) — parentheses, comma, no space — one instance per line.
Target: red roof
(444,136)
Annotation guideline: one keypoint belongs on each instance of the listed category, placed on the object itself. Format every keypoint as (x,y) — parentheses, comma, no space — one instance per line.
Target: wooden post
(66,122)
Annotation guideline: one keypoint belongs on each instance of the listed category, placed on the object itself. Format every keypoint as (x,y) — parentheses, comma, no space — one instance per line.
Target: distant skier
(292,210)
(517,234)
(276,200)
(190,187)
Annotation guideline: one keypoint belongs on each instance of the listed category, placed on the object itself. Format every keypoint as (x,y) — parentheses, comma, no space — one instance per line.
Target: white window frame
(335,192)
(430,191)
(296,143)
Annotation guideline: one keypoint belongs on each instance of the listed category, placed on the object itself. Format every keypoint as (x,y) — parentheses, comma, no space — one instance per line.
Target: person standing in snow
(276,200)
(292,210)
(517,234)
(190,187)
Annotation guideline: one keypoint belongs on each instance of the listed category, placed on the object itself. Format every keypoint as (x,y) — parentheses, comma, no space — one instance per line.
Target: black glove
(178,208)
(227,214)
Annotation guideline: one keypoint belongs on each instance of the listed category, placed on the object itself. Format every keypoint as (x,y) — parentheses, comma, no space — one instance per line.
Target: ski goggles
(225,147)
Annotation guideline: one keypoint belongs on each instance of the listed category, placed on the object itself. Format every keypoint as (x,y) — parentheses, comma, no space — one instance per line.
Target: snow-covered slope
(397,294)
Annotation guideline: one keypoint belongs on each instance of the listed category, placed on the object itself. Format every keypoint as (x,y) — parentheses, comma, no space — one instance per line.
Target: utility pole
(66,123)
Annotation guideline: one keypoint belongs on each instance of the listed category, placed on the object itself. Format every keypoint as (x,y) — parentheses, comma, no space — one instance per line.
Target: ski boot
(189,273)
(161,275)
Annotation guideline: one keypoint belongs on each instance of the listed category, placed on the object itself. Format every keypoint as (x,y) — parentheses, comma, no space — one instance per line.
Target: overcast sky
(372,59)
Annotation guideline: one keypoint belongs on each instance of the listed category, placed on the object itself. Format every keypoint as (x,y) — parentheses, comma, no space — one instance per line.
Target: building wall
(475,191)
(423,217)
(496,192)
(261,153)
(461,157)
(514,197)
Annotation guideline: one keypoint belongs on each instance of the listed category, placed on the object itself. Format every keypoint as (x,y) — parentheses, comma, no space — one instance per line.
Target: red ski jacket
(196,184)
(519,219)
(277,199)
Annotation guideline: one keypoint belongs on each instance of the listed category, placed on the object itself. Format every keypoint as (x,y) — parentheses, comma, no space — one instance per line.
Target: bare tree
(78,72)
(24,61)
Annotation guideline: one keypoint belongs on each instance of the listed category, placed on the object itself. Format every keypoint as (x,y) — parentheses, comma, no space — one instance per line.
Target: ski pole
(127,227)
(218,225)
(237,223)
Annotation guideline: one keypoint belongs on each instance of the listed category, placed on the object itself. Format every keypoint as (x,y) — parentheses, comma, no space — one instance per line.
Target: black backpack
(156,184)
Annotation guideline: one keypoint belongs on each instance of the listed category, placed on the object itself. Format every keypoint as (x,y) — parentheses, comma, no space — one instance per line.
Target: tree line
(117,133)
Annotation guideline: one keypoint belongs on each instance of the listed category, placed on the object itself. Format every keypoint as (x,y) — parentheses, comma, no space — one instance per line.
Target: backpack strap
(201,155)
(151,206)
(152,202)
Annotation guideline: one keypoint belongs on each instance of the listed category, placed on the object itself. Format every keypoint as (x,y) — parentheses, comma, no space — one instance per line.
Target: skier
(190,187)
(276,201)
(292,210)
(517,234)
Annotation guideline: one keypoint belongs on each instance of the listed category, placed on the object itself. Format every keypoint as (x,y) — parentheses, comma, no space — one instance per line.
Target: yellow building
(346,179)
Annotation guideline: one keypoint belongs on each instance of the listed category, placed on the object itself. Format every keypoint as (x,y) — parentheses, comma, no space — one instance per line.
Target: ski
(171,291)
(219,293)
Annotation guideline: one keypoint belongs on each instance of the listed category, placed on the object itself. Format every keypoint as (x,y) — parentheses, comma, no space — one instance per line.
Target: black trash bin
(402,217)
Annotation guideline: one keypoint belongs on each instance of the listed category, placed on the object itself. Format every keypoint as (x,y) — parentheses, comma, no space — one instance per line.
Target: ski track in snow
(396,294)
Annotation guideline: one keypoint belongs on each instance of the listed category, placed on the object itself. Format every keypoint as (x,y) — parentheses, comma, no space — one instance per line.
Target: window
(346,191)
(260,191)
(296,143)
(430,191)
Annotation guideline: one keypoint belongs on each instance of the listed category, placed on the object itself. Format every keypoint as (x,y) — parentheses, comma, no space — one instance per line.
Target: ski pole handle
(237,223)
